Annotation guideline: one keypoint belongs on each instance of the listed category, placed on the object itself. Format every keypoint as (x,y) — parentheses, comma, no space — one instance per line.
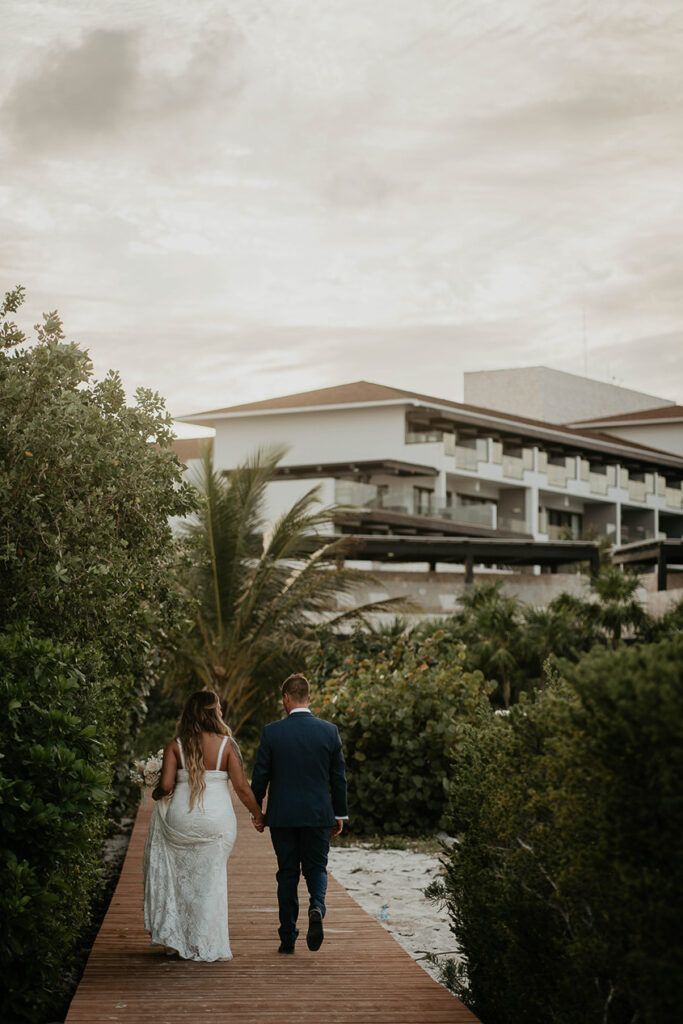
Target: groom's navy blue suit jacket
(300,758)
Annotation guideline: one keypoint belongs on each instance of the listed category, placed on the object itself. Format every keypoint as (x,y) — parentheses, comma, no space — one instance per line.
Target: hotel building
(603,461)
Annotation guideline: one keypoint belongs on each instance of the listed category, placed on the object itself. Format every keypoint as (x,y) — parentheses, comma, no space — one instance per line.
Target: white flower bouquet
(146,772)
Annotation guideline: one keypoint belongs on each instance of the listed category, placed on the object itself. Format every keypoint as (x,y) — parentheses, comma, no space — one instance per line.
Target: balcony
(674,497)
(510,525)
(513,468)
(597,483)
(516,460)
(407,507)
(477,515)
(640,487)
(558,469)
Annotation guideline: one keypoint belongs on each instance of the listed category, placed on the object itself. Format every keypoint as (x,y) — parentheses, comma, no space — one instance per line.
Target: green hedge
(565,889)
(54,777)
(88,604)
(398,714)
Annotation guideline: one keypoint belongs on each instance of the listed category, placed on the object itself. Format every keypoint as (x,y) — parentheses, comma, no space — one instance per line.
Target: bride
(191,835)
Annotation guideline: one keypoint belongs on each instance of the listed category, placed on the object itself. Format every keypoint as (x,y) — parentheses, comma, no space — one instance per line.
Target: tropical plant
(618,609)
(87,601)
(491,629)
(563,629)
(399,711)
(260,593)
(564,887)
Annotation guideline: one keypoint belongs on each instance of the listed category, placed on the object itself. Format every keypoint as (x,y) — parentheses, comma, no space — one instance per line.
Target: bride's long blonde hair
(200,714)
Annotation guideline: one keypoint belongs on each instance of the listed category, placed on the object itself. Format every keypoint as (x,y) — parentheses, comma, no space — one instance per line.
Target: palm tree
(563,629)
(618,608)
(492,631)
(259,594)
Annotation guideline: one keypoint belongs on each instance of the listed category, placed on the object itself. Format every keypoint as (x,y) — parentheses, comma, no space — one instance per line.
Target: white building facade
(404,463)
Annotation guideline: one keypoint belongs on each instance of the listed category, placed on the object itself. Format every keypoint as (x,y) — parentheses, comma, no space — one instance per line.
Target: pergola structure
(471,551)
(658,553)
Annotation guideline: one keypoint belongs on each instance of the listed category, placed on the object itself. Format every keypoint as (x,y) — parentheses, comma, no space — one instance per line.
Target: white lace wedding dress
(184,868)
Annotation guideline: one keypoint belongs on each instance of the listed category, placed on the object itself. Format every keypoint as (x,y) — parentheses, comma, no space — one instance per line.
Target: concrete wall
(667,437)
(333,435)
(437,593)
(551,395)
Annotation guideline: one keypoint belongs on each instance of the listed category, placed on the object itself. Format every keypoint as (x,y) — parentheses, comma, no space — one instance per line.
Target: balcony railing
(597,483)
(512,525)
(674,497)
(513,467)
(638,490)
(476,515)
(557,475)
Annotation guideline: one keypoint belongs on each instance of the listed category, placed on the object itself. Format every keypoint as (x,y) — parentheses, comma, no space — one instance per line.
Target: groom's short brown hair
(297,687)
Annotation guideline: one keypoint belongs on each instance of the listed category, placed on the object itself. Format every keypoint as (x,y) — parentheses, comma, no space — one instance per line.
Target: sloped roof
(360,391)
(365,392)
(661,413)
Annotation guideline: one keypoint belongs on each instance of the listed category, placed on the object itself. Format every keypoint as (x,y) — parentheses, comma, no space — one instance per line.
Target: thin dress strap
(220,754)
(182,755)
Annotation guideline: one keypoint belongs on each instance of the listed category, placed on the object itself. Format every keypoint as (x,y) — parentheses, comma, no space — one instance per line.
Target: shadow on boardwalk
(360,974)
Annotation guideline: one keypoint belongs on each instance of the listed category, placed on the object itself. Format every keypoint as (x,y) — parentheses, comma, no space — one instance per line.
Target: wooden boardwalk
(360,974)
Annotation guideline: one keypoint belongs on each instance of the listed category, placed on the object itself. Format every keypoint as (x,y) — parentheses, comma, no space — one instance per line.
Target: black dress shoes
(314,936)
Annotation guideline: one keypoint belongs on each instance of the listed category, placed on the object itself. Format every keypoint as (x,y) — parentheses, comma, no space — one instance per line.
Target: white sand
(398,879)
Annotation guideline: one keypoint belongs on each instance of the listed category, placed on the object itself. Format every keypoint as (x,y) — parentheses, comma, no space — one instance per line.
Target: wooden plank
(360,974)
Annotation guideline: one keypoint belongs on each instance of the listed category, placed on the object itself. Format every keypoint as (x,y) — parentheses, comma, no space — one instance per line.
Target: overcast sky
(238,199)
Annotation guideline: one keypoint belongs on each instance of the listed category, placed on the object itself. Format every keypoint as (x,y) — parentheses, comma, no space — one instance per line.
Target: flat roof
(643,552)
(481,550)
(357,467)
(661,414)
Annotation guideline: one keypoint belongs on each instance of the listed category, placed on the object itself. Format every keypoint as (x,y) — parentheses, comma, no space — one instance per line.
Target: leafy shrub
(54,778)
(398,714)
(88,603)
(87,487)
(565,887)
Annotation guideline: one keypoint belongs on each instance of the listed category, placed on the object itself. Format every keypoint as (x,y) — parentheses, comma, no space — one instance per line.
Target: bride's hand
(257,822)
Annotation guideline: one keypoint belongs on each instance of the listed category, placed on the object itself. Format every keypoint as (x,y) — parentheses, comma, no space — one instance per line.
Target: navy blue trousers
(299,850)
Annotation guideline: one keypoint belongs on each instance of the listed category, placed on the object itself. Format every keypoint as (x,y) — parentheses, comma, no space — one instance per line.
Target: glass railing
(674,497)
(597,483)
(638,490)
(513,467)
(557,475)
(512,525)
(476,515)
(466,458)
(349,492)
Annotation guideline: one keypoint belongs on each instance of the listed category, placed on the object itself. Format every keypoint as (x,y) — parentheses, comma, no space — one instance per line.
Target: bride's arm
(240,784)
(168,769)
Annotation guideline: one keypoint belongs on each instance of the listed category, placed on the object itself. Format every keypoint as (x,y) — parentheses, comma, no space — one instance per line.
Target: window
(564,525)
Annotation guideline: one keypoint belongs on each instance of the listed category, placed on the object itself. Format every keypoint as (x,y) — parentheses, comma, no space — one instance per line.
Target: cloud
(82,92)
(249,199)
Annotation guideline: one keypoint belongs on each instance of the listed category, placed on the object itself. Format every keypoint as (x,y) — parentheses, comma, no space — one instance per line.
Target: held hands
(257,822)
(336,829)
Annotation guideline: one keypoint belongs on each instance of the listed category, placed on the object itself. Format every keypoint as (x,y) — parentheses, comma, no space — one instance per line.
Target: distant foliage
(509,640)
(88,604)
(398,712)
(565,886)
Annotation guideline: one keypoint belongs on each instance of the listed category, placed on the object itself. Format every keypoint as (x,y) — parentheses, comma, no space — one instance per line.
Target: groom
(300,758)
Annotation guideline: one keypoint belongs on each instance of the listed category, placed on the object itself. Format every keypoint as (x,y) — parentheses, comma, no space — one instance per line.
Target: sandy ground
(397,879)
